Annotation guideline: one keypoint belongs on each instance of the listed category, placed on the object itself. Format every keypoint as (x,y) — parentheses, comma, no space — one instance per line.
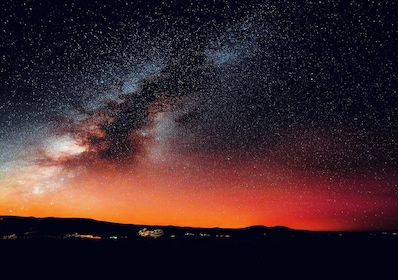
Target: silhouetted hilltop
(27,227)
(15,227)
(30,227)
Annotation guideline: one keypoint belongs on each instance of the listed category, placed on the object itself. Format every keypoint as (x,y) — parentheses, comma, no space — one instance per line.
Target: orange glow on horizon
(187,192)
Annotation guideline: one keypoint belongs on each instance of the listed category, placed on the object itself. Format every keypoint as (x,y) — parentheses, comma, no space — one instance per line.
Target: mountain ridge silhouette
(44,226)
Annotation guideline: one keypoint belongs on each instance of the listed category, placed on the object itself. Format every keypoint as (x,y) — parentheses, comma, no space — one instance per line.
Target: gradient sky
(210,114)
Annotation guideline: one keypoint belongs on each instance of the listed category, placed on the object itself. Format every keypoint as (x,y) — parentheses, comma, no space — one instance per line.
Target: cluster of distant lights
(159,233)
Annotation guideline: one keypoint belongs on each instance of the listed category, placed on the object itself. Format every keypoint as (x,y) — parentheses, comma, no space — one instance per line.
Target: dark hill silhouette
(51,227)
(45,227)
(26,227)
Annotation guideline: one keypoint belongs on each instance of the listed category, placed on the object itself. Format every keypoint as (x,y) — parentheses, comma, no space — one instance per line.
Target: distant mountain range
(15,227)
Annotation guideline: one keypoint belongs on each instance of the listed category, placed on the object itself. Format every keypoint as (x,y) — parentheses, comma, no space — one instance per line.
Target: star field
(218,113)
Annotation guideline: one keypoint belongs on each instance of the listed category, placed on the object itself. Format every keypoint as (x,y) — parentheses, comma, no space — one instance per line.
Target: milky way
(218,113)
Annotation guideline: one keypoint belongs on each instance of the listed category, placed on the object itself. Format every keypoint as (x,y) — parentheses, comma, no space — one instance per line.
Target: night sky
(201,113)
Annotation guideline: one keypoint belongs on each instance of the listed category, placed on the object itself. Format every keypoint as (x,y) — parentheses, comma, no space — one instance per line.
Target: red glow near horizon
(203,190)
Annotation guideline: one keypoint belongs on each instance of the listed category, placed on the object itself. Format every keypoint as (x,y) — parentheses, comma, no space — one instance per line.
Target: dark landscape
(87,248)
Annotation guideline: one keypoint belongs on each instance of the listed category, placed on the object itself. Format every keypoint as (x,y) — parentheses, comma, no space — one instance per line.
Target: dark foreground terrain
(88,249)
